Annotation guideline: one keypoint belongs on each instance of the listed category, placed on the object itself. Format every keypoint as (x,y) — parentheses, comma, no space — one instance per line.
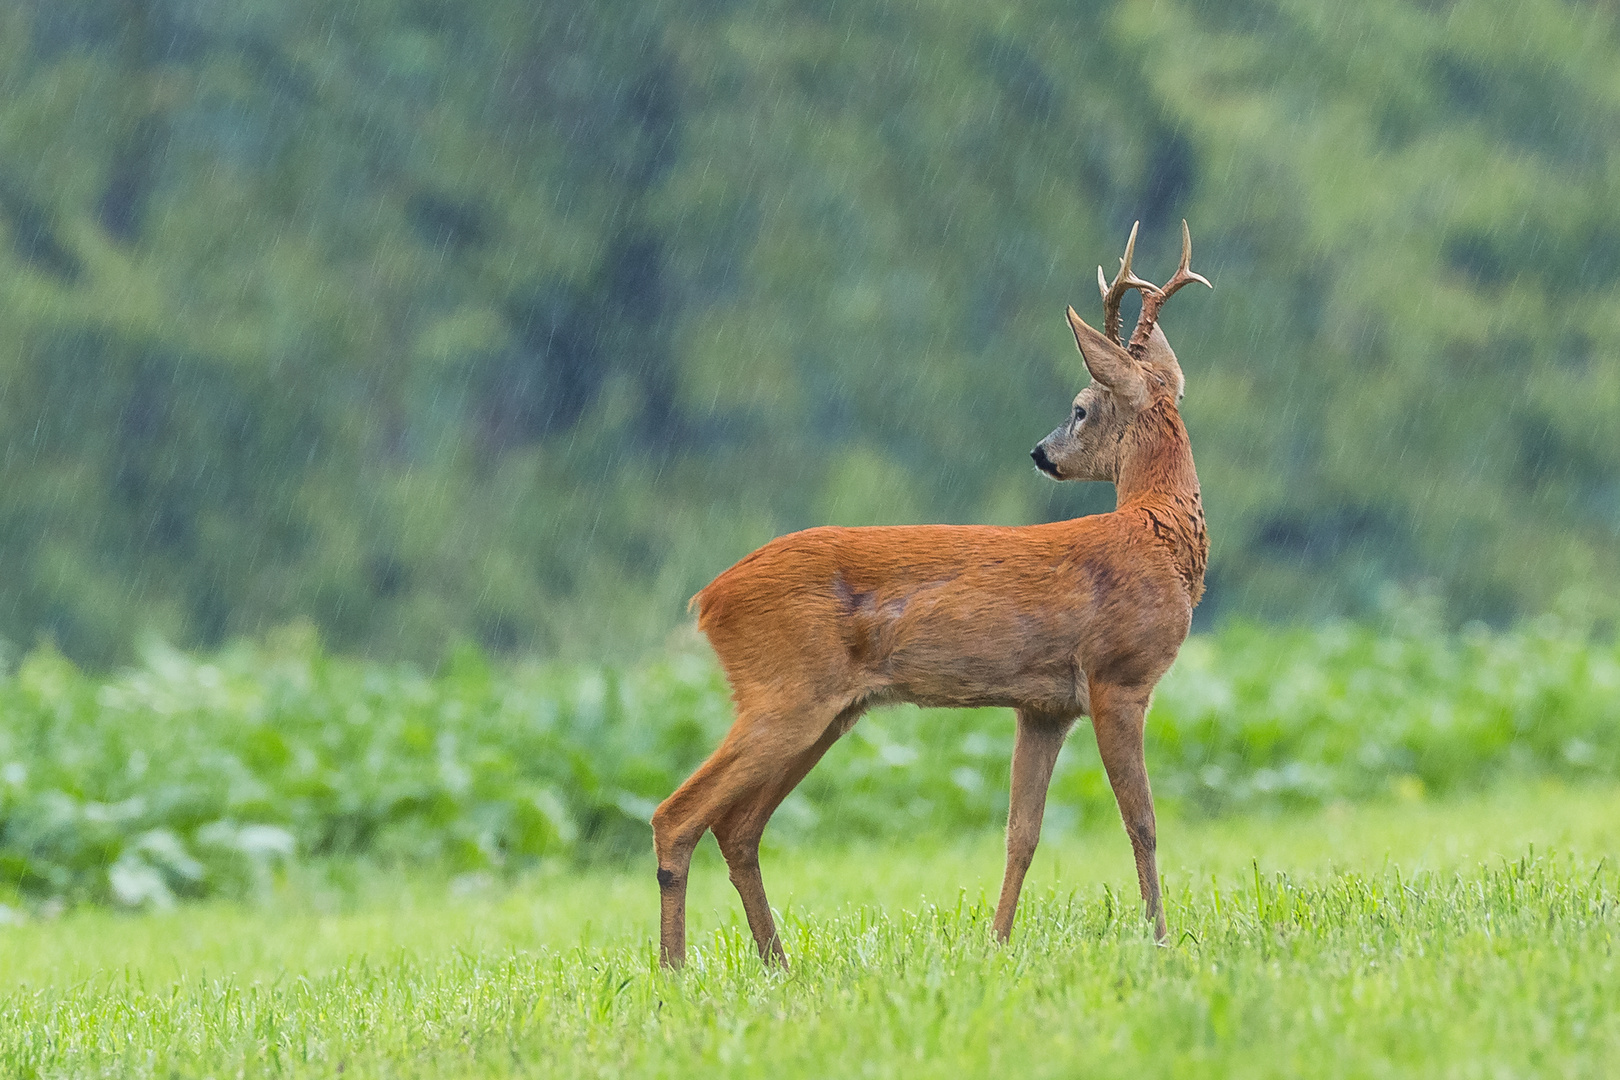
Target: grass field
(1469,937)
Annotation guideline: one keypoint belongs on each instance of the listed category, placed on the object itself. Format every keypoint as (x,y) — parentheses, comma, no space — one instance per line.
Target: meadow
(1474,936)
(1386,850)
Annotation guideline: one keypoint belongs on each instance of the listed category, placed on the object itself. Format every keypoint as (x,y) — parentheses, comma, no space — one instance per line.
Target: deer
(1055,621)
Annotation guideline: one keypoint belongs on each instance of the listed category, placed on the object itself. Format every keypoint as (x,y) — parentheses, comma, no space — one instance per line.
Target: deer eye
(1079,414)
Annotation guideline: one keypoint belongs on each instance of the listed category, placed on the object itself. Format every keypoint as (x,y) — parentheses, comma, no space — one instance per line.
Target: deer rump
(943,615)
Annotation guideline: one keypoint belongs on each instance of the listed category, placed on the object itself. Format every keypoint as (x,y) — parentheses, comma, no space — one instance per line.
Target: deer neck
(1157,479)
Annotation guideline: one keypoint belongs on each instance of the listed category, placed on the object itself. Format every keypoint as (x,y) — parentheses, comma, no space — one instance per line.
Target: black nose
(1042,462)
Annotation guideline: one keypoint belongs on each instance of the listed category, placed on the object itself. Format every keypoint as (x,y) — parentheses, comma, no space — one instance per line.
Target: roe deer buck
(1057,621)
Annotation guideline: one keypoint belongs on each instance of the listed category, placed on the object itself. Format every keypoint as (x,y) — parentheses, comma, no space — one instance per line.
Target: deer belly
(954,660)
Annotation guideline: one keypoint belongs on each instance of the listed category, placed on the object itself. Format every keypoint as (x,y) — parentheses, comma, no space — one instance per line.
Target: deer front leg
(1117,716)
(1035,752)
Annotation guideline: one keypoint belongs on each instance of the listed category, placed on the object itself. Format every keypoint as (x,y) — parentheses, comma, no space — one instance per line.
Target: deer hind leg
(1035,752)
(739,832)
(729,792)
(1117,717)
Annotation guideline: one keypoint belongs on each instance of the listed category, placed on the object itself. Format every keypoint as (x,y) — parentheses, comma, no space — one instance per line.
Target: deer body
(964,616)
(1069,619)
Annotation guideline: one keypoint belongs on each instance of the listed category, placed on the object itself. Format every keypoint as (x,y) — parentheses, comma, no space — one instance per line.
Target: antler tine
(1184,274)
(1153,297)
(1124,281)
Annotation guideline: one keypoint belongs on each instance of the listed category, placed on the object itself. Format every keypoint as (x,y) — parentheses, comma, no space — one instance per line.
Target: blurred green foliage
(191,776)
(520,321)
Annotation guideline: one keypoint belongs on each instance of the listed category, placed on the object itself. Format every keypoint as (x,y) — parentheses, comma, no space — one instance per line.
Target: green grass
(1467,937)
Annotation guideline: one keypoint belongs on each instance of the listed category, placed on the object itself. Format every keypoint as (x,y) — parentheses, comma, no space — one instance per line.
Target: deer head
(1125,377)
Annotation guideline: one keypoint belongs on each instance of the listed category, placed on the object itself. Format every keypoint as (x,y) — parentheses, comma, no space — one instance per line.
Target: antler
(1153,297)
(1124,281)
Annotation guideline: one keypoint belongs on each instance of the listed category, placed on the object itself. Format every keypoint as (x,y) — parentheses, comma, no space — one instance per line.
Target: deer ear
(1159,356)
(1110,365)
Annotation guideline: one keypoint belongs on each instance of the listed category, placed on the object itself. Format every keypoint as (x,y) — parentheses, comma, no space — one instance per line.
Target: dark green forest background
(518,321)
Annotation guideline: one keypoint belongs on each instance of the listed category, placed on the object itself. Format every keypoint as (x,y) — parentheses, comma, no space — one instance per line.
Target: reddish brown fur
(1057,621)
